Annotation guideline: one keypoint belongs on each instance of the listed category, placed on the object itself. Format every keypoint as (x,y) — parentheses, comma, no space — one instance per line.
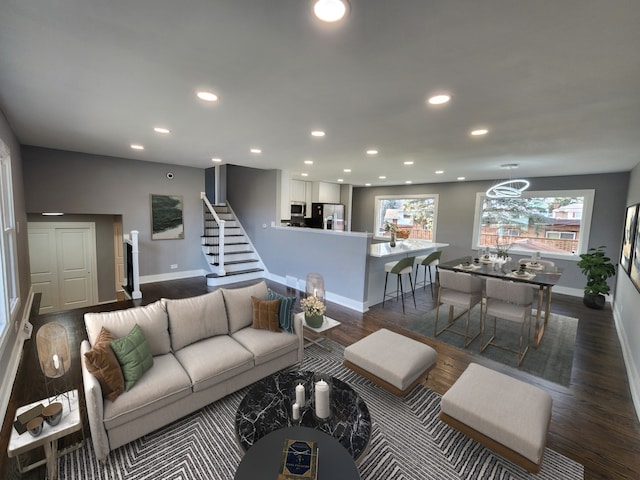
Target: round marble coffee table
(267,407)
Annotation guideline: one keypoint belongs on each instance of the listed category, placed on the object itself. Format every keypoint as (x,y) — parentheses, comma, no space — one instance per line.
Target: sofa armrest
(95,408)
(298,329)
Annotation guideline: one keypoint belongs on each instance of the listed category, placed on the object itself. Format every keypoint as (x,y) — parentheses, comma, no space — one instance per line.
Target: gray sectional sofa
(203,348)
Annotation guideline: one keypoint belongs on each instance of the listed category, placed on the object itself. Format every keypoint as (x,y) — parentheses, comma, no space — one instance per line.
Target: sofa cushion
(285,313)
(165,383)
(103,364)
(196,318)
(239,306)
(214,360)
(266,345)
(265,314)
(151,318)
(134,355)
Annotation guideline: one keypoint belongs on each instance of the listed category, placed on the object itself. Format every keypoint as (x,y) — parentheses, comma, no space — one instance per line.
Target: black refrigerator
(329,216)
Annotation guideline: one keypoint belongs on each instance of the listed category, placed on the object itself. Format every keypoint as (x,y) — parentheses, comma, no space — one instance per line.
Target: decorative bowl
(52,413)
(35,426)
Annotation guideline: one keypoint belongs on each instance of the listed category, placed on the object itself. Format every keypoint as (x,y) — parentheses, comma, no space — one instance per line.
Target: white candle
(296,411)
(315,292)
(300,400)
(322,399)
(56,362)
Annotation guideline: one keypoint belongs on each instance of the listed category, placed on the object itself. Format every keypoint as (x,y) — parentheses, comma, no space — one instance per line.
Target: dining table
(539,275)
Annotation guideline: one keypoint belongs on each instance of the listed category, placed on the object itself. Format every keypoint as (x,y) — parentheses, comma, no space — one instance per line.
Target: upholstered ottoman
(393,361)
(506,415)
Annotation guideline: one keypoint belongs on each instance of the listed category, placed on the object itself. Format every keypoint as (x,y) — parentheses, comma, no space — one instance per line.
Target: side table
(70,423)
(323,331)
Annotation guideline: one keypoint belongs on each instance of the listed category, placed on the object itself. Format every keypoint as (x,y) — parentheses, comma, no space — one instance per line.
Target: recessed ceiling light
(308,162)
(479,132)
(382,177)
(409,162)
(461,178)
(340,180)
(135,146)
(439,99)
(347,170)
(318,133)
(372,152)
(367,184)
(255,150)
(330,10)
(52,214)
(408,181)
(216,160)
(207,96)
(439,172)
(161,130)
(304,174)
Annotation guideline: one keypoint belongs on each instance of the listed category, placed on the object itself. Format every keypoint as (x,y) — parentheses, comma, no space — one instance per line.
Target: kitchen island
(381,253)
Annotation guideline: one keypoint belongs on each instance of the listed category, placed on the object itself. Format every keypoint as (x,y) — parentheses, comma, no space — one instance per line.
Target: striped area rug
(408,442)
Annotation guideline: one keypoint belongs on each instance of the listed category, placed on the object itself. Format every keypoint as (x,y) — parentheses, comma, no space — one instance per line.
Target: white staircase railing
(132,278)
(220,269)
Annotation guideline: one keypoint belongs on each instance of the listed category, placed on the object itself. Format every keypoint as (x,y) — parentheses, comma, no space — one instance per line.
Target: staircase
(240,262)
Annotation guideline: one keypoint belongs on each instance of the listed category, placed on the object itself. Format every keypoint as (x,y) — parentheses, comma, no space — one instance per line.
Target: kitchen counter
(403,247)
(322,231)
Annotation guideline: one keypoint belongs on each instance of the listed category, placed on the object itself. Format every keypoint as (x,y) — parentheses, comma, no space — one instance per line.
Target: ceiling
(556,83)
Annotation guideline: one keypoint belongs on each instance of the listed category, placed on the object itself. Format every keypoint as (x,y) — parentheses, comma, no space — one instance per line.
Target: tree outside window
(412,216)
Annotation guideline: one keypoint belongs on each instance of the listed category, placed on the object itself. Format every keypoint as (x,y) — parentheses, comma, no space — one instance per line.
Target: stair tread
(238,272)
(242,252)
(237,262)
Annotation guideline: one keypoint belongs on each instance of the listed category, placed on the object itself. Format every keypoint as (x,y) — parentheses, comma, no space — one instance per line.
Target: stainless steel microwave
(298,208)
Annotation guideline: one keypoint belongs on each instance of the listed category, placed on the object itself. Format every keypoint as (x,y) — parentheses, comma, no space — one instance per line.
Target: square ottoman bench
(393,361)
(506,415)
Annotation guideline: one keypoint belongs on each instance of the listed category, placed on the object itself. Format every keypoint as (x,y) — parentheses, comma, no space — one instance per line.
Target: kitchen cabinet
(325,192)
(298,191)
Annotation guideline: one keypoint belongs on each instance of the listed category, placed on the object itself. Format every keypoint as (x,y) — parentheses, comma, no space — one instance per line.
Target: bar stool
(427,261)
(399,268)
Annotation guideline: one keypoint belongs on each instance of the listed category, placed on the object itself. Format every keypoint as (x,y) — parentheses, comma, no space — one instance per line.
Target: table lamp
(54,355)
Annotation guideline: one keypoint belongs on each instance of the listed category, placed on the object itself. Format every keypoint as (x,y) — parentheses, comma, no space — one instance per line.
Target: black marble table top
(268,407)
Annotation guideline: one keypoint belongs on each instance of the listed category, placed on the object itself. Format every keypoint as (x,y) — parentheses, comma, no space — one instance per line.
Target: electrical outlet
(174,266)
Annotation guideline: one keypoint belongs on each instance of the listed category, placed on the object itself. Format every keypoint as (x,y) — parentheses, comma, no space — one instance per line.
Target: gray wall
(105,255)
(456,208)
(7,136)
(79,183)
(626,308)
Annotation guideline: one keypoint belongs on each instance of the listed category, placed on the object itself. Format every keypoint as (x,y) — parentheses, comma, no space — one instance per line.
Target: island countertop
(385,249)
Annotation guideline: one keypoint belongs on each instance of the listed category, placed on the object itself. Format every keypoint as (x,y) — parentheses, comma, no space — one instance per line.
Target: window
(556,224)
(413,215)
(8,255)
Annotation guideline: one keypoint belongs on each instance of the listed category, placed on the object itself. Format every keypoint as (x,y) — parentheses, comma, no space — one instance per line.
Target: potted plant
(598,268)
(313,309)
(393,229)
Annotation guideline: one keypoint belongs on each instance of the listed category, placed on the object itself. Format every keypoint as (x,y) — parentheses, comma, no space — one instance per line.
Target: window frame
(585,221)
(379,198)
(9,280)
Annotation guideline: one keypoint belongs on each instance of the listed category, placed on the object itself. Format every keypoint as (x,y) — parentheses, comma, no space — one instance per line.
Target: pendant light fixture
(330,11)
(511,188)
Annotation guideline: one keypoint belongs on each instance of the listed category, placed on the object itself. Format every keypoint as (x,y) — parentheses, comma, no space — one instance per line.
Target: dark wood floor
(593,421)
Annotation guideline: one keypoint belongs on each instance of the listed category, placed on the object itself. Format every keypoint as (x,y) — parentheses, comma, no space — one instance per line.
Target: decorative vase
(393,240)
(314,321)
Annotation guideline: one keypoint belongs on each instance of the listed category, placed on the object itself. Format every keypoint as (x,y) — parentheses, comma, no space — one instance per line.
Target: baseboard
(16,354)
(330,296)
(163,277)
(632,372)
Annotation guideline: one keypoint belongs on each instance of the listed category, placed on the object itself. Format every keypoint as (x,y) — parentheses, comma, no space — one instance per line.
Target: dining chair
(461,290)
(427,261)
(401,267)
(511,301)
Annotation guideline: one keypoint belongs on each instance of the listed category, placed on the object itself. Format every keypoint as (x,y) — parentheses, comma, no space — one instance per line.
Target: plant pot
(594,301)
(392,243)
(314,321)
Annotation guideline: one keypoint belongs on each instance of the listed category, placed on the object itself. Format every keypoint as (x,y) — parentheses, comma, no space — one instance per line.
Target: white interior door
(63,264)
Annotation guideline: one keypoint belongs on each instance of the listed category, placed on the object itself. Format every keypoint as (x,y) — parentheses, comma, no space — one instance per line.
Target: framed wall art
(634,270)
(167,221)
(628,238)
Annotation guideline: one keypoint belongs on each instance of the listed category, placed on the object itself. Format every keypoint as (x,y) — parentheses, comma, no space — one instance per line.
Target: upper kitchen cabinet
(324,192)
(298,191)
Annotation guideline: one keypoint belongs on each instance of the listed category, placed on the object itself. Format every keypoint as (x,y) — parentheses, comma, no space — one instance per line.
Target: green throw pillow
(133,354)
(285,313)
